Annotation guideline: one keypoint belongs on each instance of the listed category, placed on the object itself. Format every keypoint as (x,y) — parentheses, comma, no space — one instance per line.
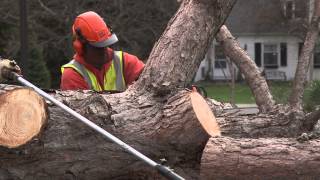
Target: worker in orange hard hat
(96,66)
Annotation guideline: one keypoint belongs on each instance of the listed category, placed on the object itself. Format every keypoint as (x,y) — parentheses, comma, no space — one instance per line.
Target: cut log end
(204,115)
(22,115)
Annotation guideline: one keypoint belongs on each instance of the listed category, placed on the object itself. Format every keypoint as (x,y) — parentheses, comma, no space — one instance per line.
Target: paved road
(244,109)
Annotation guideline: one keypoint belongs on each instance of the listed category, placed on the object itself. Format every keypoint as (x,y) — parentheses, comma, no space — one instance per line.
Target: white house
(271,31)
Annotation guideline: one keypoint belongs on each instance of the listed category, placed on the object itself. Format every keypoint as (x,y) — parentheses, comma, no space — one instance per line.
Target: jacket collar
(90,67)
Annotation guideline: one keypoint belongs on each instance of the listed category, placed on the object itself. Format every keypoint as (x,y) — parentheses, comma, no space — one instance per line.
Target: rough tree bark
(152,115)
(278,123)
(248,68)
(227,158)
(295,99)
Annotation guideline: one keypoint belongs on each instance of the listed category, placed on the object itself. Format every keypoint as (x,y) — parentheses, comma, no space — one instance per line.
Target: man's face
(95,56)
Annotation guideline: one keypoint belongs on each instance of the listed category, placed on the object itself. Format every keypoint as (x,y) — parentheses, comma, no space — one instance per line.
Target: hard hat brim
(113,39)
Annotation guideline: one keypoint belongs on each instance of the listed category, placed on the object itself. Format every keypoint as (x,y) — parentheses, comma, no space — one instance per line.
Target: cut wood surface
(22,116)
(204,114)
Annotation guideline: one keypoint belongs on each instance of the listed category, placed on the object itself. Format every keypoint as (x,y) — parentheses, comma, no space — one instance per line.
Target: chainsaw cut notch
(204,114)
(23,113)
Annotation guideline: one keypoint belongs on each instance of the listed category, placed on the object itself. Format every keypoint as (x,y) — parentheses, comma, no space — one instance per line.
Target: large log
(69,149)
(228,158)
(166,130)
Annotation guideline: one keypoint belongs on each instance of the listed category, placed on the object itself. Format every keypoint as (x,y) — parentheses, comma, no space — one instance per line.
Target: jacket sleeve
(132,68)
(71,80)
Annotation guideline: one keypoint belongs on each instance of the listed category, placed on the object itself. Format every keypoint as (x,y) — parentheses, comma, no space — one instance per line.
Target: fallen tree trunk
(69,149)
(228,158)
(169,131)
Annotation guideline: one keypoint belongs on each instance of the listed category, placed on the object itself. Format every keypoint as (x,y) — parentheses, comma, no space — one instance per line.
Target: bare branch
(46,8)
(257,83)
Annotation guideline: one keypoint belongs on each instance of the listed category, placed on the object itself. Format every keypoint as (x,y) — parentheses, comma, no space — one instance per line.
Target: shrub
(312,96)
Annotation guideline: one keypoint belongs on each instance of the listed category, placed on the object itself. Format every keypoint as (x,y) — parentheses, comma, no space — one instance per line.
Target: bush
(280,91)
(312,96)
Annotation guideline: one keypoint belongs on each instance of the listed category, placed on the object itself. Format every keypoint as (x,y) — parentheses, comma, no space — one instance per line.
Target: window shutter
(300,48)
(257,52)
(283,54)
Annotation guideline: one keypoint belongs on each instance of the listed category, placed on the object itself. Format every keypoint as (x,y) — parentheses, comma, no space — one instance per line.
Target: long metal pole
(165,171)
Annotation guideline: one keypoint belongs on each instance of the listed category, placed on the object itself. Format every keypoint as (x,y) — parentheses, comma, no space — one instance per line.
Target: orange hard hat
(91,28)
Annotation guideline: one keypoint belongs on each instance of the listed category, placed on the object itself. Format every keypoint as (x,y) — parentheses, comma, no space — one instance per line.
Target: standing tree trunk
(232,81)
(295,99)
(209,59)
(253,77)
(152,115)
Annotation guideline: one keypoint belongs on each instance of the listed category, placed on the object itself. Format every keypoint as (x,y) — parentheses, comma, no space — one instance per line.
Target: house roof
(266,17)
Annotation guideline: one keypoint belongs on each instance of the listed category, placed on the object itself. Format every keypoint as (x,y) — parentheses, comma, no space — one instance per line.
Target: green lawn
(243,95)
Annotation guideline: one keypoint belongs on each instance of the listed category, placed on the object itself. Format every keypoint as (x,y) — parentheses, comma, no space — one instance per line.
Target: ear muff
(78,43)
(77,46)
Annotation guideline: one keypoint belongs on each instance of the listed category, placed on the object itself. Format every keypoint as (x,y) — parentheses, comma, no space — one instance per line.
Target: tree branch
(46,8)
(246,65)
(186,53)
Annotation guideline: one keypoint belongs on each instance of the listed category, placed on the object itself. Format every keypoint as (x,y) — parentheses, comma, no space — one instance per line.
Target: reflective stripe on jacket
(113,78)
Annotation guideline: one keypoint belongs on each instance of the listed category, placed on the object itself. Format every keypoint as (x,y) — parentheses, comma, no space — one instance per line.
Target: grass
(243,95)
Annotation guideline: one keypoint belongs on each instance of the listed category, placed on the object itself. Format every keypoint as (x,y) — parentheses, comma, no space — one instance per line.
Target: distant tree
(307,50)
(37,71)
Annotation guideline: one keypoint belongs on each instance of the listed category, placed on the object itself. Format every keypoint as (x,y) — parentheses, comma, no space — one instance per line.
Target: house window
(300,48)
(289,9)
(316,57)
(203,72)
(270,56)
(220,58)
(283,54)
(257,54)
